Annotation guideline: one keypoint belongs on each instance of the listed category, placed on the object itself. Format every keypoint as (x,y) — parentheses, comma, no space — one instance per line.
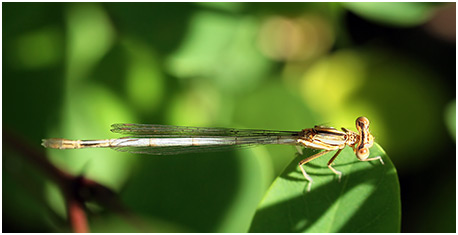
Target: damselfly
(167,140)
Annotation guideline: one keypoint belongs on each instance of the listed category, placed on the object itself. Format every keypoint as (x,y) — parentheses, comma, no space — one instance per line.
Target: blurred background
(71,70)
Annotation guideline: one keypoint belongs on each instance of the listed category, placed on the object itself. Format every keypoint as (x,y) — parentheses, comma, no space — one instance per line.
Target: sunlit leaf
(144,82)
(221,49)
(366,200)
(90,35)
(393,13)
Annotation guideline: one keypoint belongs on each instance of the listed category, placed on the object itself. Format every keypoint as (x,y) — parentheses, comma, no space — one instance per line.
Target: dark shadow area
(178,187)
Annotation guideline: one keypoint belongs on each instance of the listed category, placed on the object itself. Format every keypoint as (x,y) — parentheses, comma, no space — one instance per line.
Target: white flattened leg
(338,173)
(373,159)
(304,161)
(307,177)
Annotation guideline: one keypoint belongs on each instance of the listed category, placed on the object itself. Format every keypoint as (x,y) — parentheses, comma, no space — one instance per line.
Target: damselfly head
(362,121)
(366,140)
(362,124)
(362,153)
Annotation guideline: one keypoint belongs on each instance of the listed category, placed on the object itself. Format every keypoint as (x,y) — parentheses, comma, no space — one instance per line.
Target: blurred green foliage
(393,13)
(72,69)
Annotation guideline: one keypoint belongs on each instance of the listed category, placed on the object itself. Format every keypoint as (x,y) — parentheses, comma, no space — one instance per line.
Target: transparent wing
(172,150)
(224,144)
(185,131)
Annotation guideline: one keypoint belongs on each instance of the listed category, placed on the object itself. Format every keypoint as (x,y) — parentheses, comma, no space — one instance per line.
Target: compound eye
(363,120)
(363,153)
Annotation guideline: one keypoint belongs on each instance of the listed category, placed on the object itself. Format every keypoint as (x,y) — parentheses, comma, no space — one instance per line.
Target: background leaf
(366,200)
(393,13)
(450,118)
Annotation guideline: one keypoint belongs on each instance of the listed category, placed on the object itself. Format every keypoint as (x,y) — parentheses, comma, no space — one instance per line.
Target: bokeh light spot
(144,81)
(330,82)
(294,39)
(90,36)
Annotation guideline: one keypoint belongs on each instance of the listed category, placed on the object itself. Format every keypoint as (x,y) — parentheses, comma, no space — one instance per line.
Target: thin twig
(76,189)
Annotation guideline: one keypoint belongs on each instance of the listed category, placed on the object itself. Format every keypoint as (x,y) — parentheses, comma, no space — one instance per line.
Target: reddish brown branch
(34,155)
(76,189)
(77,216)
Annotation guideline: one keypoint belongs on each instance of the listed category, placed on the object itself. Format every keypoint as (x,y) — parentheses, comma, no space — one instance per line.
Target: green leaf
(450,118)
(366,200)
(401,14)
